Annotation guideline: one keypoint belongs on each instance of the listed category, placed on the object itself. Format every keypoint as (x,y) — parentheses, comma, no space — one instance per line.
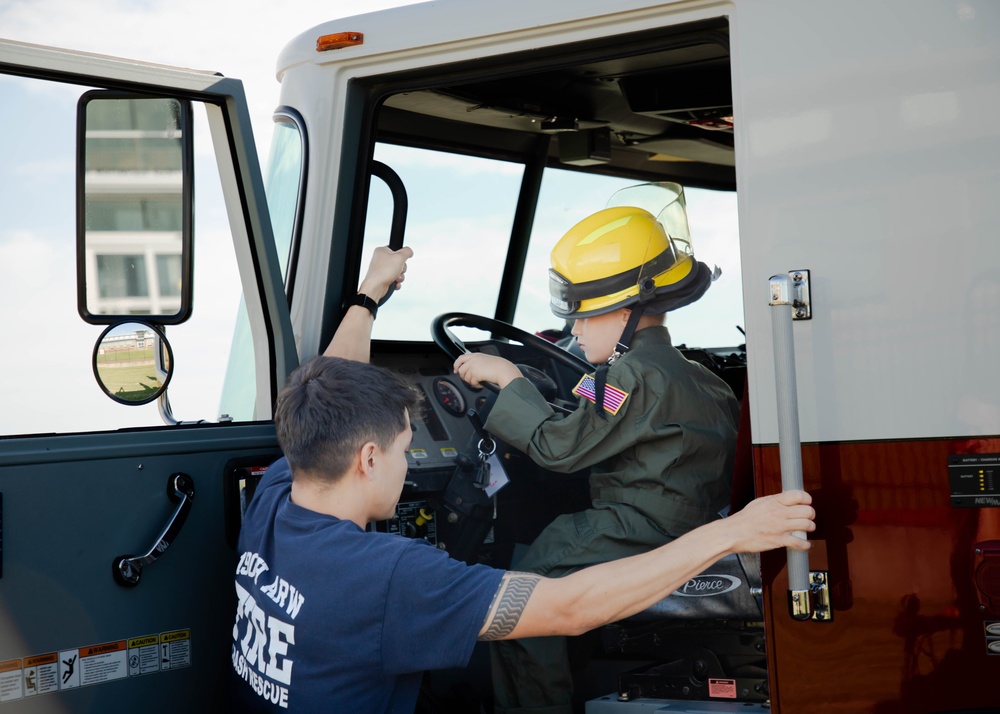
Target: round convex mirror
(133,362)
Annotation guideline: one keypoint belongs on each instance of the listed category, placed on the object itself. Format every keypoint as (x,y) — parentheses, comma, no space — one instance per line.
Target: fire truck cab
(839,166)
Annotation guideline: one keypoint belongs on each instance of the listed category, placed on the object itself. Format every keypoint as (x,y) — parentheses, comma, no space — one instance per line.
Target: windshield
(460,237)
(568,197)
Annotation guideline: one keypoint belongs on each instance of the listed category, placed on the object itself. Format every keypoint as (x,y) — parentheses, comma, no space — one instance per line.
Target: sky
(238,39)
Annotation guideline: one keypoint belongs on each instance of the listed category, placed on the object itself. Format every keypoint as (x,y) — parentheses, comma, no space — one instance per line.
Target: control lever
(127,569)
(477,424)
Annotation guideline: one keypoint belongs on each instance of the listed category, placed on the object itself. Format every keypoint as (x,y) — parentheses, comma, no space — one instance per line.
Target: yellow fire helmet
(621,256)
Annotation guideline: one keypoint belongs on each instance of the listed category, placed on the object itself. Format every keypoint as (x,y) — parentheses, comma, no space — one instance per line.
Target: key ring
(483,454)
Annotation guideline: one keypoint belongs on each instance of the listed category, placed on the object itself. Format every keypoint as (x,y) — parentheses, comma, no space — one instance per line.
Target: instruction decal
(722,688)
(41,674)
(10,680)
(175,649)
(94,664)
(143,655)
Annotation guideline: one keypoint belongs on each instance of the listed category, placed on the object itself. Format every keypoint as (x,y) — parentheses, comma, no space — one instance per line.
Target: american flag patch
(613,398)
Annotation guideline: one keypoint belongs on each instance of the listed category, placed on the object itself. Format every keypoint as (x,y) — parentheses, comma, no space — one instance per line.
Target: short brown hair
(331,407)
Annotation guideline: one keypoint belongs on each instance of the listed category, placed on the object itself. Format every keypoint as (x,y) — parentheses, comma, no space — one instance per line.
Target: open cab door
(121,457)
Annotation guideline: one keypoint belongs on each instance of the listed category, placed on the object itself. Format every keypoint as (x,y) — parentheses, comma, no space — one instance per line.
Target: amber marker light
(339,40)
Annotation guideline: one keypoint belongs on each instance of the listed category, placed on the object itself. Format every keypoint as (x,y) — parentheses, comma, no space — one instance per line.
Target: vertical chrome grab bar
(789,441)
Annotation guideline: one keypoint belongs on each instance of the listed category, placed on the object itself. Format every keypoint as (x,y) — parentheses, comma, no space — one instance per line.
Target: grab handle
(127,569)
(400,206)
(789,441)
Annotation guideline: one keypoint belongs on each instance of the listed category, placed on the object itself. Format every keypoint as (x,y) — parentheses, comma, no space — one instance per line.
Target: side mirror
(133,362)
(135,179)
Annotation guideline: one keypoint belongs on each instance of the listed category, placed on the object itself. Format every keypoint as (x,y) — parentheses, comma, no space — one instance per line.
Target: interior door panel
(71,638)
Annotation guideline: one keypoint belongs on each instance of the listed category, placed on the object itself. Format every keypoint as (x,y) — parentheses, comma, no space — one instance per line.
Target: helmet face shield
(665,201)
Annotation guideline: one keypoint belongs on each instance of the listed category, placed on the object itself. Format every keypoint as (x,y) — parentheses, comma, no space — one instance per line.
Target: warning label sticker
(10,680)
(175,649)
(41,674)
(722,688)
(103,663)
(143,655)
(94,664)
(69,670)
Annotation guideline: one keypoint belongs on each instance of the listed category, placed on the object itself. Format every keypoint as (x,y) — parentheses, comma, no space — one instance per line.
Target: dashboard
(442,429)
(441,499)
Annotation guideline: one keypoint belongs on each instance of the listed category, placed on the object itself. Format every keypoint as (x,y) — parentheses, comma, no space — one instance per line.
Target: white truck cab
(839,164)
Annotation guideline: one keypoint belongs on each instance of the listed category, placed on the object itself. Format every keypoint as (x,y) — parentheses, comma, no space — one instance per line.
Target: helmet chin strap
(624,343)
(689,289)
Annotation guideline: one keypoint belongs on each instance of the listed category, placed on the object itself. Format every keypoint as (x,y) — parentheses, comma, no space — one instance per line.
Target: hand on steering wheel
(447,340)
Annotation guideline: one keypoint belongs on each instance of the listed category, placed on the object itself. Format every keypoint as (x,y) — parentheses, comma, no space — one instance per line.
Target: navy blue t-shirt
(331,618)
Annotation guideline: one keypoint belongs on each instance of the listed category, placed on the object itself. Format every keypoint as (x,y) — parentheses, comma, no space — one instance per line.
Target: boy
(661,448)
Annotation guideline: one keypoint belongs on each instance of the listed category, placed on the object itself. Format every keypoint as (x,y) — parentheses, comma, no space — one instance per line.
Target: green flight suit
(659,467)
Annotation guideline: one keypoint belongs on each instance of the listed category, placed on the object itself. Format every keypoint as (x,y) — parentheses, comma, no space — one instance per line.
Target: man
(331,617)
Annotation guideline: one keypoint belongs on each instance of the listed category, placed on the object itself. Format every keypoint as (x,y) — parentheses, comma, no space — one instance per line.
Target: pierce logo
(708,586)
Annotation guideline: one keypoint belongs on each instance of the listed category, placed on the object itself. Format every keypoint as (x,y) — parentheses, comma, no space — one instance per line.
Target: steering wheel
(448,341)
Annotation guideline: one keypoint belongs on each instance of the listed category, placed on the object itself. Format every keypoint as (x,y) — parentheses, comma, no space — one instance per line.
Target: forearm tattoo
(508,604)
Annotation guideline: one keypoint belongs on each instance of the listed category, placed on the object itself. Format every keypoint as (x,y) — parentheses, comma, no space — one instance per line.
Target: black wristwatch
(364,301)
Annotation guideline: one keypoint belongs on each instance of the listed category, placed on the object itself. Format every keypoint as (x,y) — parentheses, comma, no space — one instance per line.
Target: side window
(285,184)
(568,197)
(458,225)
(46,381)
